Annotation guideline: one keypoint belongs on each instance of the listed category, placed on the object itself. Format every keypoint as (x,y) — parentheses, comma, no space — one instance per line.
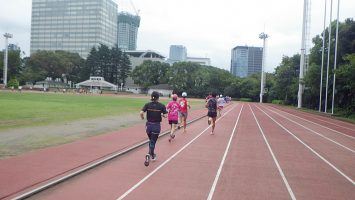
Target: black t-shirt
(154,111)
(212,105)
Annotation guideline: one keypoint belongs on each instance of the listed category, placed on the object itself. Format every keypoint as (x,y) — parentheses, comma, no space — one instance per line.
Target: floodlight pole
(7,36)
(303,55)
(321,68)
(335,56)
(262,36)
(329,40)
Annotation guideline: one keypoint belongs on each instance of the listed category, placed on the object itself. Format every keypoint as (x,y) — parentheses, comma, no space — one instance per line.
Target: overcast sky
(207,28)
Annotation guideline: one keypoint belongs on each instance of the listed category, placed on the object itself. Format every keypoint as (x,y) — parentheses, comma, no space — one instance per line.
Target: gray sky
(207,28)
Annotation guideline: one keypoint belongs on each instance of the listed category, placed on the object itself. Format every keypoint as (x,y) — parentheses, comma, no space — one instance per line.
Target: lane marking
(168,160)
(351,137)
(315,152)
(289,189)
(345,147)
(210,195)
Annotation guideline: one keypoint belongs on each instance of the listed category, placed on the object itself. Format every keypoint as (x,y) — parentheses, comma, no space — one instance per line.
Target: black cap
(155,95)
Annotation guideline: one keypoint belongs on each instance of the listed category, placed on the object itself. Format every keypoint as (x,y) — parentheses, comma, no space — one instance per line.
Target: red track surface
(263,153)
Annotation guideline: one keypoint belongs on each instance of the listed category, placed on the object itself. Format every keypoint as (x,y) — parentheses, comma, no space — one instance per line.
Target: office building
(246,60)
(199,60)
(73,25)
(177,53)
(128,25)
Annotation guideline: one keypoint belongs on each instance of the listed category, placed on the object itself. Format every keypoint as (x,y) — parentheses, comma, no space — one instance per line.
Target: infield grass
(22,109)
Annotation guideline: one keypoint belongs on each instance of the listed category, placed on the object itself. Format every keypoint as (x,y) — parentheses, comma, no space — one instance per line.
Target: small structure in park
(49,83)
(96,84)
(163,89)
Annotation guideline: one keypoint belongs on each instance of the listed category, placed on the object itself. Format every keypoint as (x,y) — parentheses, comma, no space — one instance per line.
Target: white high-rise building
(128,25)
(178,53)
(246,60)
(73,25)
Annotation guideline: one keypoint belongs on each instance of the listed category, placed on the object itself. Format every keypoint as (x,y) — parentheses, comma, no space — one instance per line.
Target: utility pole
(262,36)
(335,56)
(7,36)
(303,60)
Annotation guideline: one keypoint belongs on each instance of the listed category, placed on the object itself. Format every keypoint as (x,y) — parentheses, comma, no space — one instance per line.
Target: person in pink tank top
(173,108)
(184,110)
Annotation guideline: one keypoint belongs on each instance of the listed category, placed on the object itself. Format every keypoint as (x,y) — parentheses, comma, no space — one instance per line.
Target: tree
(54,64)
(150,73)
(14,64)
(286,79)
(125,69)
(346,80)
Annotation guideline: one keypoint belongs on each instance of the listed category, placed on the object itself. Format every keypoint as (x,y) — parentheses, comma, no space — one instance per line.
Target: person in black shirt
(154,110)
(211,105)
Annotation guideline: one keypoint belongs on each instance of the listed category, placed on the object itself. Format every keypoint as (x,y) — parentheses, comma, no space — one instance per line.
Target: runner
(154,111)
(208,97)
(220,104)
(184,110)
(211,105)
(173,108)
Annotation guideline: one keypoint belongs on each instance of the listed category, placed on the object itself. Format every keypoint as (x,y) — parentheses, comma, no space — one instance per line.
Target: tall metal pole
(329,40)
(6,35)
(335,56)
(321,68)
(303,52)
(262,36)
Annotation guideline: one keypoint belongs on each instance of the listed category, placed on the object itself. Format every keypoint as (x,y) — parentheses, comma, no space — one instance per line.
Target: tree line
(110,63)
(198,80)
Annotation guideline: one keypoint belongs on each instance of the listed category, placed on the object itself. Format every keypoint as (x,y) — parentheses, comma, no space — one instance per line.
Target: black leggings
(152,140)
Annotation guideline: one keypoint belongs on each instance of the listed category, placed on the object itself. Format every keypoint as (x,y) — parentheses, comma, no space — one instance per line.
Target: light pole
(335,56)
(7,36)
(262,36)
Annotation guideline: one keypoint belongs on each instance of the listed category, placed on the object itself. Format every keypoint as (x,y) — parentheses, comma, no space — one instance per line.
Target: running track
(257,152)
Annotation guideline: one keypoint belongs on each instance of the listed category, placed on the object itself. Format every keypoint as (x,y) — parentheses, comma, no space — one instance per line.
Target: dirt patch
(20,140)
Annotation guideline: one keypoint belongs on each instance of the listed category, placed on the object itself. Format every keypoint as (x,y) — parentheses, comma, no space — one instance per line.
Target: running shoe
(154,157)
(171,138)
(147,159)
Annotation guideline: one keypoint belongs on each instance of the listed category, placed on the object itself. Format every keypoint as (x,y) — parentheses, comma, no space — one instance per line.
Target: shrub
(281,102)
(13,83)
(246,99)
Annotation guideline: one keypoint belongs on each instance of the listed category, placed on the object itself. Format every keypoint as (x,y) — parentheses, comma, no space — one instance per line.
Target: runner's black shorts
(173,122)
(152,127)
(212,114)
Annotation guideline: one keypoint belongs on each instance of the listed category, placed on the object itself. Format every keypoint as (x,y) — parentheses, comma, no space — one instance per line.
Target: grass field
(32,109)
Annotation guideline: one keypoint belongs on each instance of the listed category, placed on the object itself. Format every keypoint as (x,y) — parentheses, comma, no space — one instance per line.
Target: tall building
(128,25)
(73,25)
(246,60)
(177,53)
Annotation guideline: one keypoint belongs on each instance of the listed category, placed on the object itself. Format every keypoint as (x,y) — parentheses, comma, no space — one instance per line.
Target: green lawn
(33,109)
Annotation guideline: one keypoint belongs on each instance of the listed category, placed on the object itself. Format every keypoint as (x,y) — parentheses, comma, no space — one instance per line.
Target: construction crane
(128,5)
(134,8)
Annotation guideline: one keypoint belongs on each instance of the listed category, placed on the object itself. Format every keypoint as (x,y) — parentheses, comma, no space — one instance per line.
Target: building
(13,47)
(73,25)
(137,58)
(164,90)
(178,53)
(128,25)
(96,84)
(246,60)
(201,61)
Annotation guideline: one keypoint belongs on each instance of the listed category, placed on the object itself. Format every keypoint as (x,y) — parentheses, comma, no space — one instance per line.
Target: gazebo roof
(96,81)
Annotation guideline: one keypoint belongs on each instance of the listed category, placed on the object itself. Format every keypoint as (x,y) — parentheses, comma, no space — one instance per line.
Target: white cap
(184,94)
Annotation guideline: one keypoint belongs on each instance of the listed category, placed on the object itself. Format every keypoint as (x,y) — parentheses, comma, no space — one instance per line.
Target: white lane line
(289,189)
(168,160)
(349,136)
(316,153)
(321,135)
(210,195)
